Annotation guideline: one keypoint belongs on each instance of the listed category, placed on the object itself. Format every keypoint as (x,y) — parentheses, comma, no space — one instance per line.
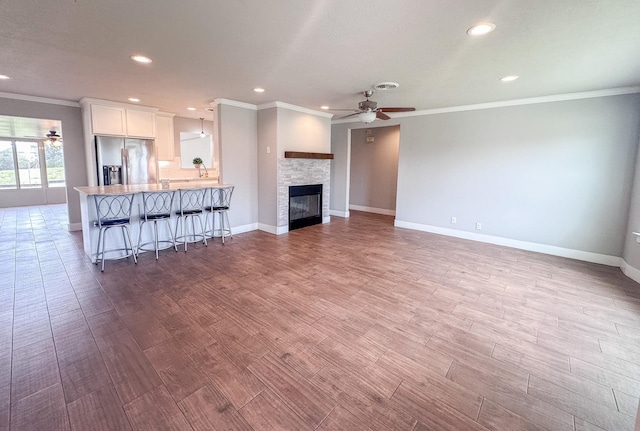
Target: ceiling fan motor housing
(368,105)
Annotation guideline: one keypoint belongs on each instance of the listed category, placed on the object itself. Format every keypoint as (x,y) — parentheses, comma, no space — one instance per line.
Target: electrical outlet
(478,226)
(268,150)
(454,220)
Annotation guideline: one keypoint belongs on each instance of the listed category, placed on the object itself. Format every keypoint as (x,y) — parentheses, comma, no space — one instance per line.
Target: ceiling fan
(368,110)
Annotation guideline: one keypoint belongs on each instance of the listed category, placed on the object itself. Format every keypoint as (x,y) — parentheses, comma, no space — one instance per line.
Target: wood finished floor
(352,325)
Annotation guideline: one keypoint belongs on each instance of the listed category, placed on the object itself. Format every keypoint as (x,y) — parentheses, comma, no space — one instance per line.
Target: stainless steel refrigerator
(125,161)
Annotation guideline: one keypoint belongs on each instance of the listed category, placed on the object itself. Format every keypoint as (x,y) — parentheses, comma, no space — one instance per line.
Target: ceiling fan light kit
(367,117)
(53,138)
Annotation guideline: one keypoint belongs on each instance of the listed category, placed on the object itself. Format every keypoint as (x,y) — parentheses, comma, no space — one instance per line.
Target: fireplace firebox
(305,206)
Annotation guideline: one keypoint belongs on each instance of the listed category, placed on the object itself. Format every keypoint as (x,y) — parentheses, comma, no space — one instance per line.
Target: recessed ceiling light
(481,29)
(141,59)
(509,78)
(4,77)
(259,90)
(191,108)
(134,99)
(325,107)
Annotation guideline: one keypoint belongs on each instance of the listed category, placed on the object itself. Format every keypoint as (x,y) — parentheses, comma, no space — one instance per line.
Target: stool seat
(189,212)
(111,222)
(156,216)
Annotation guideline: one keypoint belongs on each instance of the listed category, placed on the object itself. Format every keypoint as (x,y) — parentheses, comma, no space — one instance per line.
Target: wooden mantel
(303,155)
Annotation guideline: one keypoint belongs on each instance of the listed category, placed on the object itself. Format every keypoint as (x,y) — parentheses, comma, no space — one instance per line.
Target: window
(54,161)
(29,164)
(7,166)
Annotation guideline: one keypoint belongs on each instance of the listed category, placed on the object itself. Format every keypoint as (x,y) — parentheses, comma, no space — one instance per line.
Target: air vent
(386,86)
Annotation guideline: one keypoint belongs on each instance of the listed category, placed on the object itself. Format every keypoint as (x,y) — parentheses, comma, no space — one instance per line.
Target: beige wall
(374,167)
(299,131)
(238,138)
(268,166)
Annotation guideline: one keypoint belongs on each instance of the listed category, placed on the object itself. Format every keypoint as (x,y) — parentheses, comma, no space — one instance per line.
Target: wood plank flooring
(351,325)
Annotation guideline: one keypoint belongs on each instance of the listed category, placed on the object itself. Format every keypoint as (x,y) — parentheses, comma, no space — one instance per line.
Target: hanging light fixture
(202,134)
(53,138)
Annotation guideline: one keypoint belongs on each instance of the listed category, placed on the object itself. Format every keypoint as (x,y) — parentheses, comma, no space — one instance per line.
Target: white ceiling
(315,52)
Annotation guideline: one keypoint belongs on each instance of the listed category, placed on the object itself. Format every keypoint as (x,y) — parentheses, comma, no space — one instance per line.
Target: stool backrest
(221,197)
(113,208)
(191,200)
(157,203)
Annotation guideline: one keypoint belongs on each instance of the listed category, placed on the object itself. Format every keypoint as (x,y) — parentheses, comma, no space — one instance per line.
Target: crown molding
(90,101)
(507,103)
(235,103)
(291,107)
(39,99)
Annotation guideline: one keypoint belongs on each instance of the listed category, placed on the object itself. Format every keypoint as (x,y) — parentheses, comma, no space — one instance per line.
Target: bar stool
(156,206)
(220,204)
(191,205)
(113,211)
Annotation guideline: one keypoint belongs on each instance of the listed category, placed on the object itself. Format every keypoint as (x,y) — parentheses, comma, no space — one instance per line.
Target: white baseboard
(326,219)
(586,256)
(630,271)
(244,228)
(74,227)
(276,230)
(268,228)
(337,213)
(372,210)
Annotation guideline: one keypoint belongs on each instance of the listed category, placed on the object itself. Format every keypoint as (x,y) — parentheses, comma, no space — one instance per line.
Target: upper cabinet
(164,136)
(118,119)
(141,124)
(108,120)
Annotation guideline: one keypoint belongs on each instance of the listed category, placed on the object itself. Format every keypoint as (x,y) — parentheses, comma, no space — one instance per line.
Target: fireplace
(305,206)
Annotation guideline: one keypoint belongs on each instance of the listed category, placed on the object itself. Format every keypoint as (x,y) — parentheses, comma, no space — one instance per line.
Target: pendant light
(202,134)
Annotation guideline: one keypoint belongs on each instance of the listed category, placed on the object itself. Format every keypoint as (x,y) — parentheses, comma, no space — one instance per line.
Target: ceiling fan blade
(396,109)
(382,116)
(350,115)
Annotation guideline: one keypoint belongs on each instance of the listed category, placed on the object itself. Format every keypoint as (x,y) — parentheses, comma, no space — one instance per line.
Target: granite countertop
(137,188)
(190,179)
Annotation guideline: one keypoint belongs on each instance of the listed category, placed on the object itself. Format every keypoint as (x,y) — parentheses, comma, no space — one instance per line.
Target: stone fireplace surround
(300,172)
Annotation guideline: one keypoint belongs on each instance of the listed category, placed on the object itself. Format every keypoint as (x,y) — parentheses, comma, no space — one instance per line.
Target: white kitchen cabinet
(164,136)
(108,120)
(141,124)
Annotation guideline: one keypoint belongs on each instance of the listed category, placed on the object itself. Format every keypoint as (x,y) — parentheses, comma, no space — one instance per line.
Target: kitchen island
(89,214)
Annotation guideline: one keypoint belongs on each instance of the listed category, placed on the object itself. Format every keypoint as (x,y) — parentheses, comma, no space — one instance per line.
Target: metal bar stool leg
(140,236)
(173,238)
(104,242)
(135,259)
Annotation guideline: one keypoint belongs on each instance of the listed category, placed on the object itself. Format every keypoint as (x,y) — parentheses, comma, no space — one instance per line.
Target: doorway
(373,179)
